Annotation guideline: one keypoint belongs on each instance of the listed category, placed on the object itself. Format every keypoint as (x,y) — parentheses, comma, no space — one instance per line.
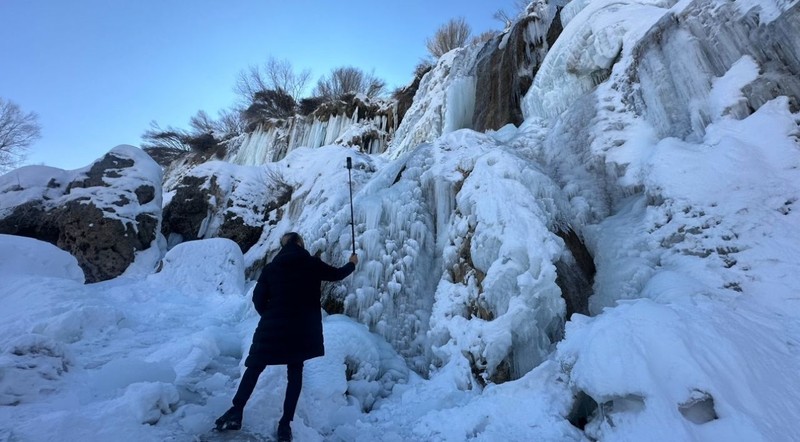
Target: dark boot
(284,432)
(231,420)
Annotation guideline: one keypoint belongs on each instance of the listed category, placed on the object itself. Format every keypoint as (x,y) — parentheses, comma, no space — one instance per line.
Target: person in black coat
(287,296)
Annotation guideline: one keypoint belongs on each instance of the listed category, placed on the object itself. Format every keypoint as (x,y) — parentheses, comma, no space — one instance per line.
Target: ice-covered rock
(445,102)
(352,120)
(218,199)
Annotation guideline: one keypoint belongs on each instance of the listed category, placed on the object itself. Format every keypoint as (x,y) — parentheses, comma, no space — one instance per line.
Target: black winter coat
(287,296)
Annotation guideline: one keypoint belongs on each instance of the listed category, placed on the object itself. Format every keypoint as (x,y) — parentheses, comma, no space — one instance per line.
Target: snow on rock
(146,402)
(675,74)
(103,214)
(124,357)
(219,199)
(688,223)
(359,370)
(697,367)
(123,372)
(20,255)
(32,305)
(499,412)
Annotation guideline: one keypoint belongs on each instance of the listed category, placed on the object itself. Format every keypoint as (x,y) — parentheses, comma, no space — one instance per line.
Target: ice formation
(367,124)
(444,102)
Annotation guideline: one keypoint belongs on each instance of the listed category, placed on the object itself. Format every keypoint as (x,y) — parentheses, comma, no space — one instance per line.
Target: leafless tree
(453,34)
(278,75)
(165,138)
(18,130)
(230,122)
(202,123)
(517,9)
(349,79)
(204,134)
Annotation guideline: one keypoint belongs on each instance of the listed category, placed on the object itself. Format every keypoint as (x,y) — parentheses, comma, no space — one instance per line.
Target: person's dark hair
(292,237)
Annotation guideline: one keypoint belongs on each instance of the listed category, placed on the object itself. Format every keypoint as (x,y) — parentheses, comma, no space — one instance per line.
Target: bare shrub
(269,104)
(169,138)
(349,79)
(205,134)
(202,123)
(231,123)
(453,34)
(310,104)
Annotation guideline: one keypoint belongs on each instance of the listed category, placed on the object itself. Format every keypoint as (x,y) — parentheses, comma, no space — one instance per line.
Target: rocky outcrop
(102,214)
(222,200)
(186,210)
(507,64)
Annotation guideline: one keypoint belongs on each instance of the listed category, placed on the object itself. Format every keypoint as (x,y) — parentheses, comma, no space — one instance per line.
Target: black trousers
(294,372)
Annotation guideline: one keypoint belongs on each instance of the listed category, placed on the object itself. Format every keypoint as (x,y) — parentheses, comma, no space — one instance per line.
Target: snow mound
(146,402)
(359,368)
(27,256)
(203,267)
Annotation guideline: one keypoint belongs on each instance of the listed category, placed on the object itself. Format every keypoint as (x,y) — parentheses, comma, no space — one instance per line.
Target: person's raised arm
(330,273)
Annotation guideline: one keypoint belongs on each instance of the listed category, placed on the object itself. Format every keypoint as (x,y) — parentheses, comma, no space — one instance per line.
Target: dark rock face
(104,247)
(30,219)
(165,156)
(405,96)
(188,208)
(235,229)
(506,73)
(102,215)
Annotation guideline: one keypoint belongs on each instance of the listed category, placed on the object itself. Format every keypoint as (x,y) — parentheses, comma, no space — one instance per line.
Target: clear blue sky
(98,71)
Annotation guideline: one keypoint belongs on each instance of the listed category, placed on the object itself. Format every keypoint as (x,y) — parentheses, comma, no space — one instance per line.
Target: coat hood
(290,254)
